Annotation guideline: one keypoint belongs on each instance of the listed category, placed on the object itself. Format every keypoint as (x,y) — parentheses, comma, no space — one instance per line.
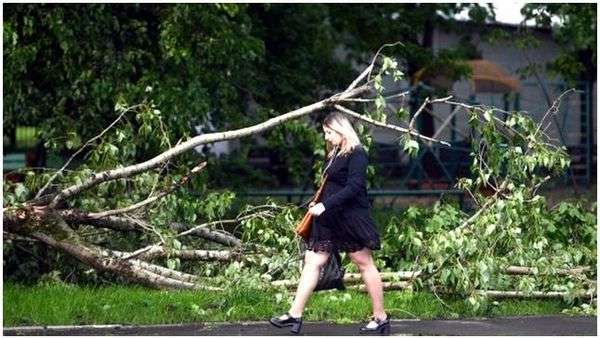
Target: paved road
(545,325)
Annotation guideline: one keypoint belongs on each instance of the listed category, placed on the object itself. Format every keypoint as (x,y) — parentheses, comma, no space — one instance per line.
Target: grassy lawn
(76,305)
(26,136)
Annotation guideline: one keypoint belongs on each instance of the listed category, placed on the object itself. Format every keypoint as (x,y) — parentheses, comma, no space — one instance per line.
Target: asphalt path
(529,326)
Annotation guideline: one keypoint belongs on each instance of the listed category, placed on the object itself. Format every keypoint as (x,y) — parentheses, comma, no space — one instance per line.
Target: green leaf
(388,63)
(401,113)
(176,244)
(487,115)
(378,84)
(490,229)
(411,147)
(379,102)
(398,75)
(21,192)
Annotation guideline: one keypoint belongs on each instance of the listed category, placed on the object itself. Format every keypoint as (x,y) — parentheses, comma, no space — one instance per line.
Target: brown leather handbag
(303,227)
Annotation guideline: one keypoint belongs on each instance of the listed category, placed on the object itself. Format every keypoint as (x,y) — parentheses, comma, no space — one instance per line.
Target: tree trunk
(350,278)
(130,270)
(535,294)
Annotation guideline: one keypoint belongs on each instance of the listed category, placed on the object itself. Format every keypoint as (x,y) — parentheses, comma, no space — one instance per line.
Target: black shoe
(383,326)
(295,323)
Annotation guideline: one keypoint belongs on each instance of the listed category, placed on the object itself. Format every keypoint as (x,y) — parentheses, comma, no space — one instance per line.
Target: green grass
(75,305)
(26,136)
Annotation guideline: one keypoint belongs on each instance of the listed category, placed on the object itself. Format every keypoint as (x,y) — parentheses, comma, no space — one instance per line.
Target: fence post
(590,131)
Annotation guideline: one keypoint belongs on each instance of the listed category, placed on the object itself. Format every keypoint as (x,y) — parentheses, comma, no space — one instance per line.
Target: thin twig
(147,227)
(379,51)
(537,186)
(402,94)
(151,199)
(40,192)
(553,109)
(139,252)
(161,170)
(384,125)
(360,77)
(417,113)
(440,299)
(490,202)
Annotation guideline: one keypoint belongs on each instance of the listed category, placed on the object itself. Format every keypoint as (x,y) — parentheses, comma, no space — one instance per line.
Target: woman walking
(342,222)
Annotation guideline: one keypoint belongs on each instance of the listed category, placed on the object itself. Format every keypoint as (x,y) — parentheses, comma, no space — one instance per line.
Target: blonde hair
(340,124)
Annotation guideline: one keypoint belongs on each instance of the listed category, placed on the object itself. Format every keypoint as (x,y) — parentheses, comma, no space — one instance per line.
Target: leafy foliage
(574,28)
(147,50)
(218,66)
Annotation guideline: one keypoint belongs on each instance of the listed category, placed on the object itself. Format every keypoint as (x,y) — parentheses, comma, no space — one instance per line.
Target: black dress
(346,223)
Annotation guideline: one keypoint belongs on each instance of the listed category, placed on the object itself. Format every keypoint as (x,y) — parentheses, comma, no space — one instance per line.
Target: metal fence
(436,168)
(439,167)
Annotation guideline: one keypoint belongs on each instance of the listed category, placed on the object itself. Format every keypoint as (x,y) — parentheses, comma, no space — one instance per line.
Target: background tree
(111,54)
(230,65)
(574,28)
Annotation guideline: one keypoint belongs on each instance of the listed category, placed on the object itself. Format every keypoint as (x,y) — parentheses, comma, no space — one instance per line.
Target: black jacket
(346,185)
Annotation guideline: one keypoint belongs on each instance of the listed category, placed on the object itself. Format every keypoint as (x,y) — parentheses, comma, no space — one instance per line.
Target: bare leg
(313,261)
(364,261)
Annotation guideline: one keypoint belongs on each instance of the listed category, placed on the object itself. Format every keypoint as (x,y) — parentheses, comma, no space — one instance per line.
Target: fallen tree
(49,218)
(408,275)
(512,158)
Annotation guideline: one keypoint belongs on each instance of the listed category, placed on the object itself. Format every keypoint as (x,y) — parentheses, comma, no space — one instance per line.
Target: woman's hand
(317,209)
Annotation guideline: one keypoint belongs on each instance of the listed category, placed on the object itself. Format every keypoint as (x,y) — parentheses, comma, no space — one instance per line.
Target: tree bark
(559,271)
(110,261)
(350,278)
(217,236)
(123,268)
(197,141)
(535,294)
(117,223)
(160,252)
(387,286)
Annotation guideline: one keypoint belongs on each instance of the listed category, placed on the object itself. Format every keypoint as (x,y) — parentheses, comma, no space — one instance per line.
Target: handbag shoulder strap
(317,195)
(323,175)
(323,179)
